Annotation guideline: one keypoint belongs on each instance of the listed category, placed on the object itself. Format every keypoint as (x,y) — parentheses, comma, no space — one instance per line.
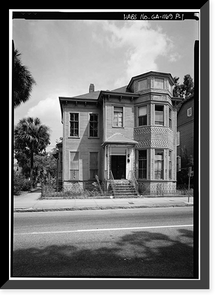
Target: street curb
(98,208)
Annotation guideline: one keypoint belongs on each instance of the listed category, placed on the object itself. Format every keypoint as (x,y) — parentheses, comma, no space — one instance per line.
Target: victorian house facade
(129,133)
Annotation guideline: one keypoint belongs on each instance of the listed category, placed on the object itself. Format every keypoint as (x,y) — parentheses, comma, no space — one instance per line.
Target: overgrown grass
(75,191)
(71,192)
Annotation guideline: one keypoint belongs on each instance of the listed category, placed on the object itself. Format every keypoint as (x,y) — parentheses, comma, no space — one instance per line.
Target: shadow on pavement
(140,254)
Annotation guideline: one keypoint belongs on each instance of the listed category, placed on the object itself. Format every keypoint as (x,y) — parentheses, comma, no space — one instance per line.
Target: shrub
(18,183)
(21,184)
(26,185)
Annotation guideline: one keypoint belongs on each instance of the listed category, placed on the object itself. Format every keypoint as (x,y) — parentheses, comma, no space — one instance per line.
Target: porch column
(130,160)
(106,162)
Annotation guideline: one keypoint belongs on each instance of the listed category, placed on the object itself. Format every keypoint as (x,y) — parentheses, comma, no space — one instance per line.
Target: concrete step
(124,187)
(122,182)
(125,192)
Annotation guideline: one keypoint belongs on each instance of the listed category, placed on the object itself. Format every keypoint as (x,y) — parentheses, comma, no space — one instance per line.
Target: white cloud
(48,111)
(142,46)
(174,57)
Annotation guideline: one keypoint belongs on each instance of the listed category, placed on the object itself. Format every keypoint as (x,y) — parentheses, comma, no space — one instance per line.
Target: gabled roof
(118,138)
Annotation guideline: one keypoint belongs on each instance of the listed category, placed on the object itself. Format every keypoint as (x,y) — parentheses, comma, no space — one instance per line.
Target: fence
(101,188)
(161,190)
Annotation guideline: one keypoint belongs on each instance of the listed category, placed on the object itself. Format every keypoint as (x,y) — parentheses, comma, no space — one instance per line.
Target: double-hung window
(159,115)
(170,164)
(142,164)
(74,165)
(74,124)
(93,164)
(170,118)
(142,115)
(93,125)
(118,117)
(158,164)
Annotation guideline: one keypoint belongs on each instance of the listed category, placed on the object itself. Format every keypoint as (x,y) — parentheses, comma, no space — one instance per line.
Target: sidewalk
(27,202)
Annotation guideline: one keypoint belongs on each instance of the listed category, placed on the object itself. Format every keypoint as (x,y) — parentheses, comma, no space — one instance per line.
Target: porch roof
(119,139)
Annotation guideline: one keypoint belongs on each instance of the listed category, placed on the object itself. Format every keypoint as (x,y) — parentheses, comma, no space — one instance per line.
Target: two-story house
(123,133)
(185,149)
(185,126)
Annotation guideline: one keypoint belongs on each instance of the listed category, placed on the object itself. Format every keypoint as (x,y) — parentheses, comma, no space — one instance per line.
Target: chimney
(91,88)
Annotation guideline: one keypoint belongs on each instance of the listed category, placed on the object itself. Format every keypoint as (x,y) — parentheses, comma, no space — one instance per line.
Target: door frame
(124,166)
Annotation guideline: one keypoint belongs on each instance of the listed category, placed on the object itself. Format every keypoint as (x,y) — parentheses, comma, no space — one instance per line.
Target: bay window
(142,115)
(159,164)
(159,115)
(142,164)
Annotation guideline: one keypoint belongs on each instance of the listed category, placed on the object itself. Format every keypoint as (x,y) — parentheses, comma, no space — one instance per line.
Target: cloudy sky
(65,56)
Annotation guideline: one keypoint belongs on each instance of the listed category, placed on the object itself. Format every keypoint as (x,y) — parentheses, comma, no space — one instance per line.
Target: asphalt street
(136,243)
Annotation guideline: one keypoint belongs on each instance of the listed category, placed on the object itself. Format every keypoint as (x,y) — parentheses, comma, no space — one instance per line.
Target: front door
(118,166)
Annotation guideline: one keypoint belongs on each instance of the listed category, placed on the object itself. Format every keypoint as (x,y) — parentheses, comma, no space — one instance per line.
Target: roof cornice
(117,94)
(150,73)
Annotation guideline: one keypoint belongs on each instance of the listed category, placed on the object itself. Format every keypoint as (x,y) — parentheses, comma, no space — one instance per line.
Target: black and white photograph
(105,146)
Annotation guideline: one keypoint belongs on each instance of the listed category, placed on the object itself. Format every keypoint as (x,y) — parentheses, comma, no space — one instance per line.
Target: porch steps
(124,188)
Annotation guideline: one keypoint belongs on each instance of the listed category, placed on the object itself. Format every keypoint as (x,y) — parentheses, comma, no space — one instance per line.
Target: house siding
(186,128)
(82,144)
(128,119)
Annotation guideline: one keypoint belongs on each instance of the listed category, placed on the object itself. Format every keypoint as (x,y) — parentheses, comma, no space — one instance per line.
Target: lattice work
(153,137)
(159,143)
(143,144)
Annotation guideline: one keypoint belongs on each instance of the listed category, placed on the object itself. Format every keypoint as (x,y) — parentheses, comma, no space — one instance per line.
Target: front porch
(119,157)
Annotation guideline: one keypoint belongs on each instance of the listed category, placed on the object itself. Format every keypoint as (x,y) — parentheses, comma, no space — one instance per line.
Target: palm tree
(22,80)
(31,137)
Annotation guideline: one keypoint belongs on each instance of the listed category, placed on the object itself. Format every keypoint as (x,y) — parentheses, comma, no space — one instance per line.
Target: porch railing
(112,181)
(133,180)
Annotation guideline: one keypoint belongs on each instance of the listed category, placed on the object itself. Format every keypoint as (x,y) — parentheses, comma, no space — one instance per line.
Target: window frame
(161,172)
(158,124)
(142,117)
(73,121)
(92,169)
(118,112)
(170,118)
(143,169)
(71,168)
(170,164)
(90,136)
